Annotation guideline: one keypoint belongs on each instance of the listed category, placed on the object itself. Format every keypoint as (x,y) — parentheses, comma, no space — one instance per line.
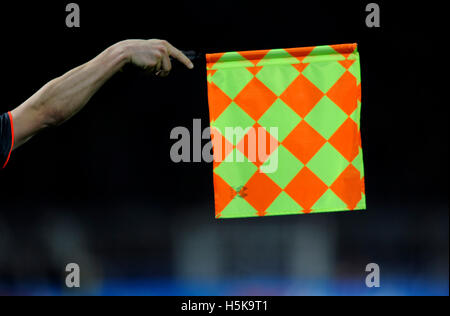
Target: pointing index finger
(177,54)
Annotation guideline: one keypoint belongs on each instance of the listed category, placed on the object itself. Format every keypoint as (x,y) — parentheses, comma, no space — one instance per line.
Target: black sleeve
(6,139)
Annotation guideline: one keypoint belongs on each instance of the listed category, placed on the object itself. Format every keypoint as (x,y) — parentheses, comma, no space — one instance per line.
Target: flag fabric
(285,128)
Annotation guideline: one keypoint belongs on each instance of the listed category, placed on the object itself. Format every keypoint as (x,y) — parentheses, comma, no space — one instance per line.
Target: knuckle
(162,49)
(158,54)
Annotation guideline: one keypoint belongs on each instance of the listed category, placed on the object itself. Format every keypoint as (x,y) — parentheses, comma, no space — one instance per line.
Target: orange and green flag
(285,126)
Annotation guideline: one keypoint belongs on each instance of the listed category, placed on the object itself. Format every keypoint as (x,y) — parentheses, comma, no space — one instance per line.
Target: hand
(154,55)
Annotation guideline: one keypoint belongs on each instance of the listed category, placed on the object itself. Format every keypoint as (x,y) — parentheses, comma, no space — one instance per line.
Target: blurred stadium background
(136,250)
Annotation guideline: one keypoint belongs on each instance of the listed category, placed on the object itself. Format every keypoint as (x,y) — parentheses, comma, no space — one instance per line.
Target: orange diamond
(344,93)
(218,101)
(212,59)
(304,142)
(300,67)
(347,63)
(223,194)
(348,187)
(300,52)
(306,189)
(211,72)
(346,140)
(260,191)
(302,96)
(254,70)
(255,98)
(258,139)
(254,56)
(344,49)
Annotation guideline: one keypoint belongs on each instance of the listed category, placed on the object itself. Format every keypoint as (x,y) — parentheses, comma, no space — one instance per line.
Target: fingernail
(191,65)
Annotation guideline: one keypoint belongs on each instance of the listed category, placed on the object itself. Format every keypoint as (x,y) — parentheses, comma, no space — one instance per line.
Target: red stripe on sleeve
(12,140)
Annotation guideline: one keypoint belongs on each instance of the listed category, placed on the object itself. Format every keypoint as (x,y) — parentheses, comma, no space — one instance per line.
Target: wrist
(121,52)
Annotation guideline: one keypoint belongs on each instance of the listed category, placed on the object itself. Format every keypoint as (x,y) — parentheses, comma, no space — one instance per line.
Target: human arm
(63,97)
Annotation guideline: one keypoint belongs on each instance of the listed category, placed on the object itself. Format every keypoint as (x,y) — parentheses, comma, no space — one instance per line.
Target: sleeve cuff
(12,139)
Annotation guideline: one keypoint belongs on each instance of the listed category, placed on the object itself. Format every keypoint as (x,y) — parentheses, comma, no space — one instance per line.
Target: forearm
(68,94)
(63,97)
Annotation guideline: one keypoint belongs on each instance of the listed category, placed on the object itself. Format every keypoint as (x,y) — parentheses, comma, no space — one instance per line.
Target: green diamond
(328,164)
(329,202)
(354,55)
(238,208)
(277,77)
(355,70)
(236,170)
(282,116)
(362,204)
(358,163)
(232,60)
(233,123)
(324,75)
(323,54)
(232,80)
(326,117)
(356,115)
(283,205)
(288,166)
(277,57)
(209,78)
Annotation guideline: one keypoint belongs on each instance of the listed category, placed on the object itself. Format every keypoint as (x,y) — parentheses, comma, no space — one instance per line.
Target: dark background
(102,191)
